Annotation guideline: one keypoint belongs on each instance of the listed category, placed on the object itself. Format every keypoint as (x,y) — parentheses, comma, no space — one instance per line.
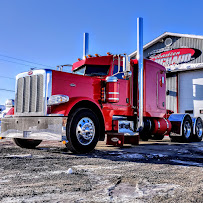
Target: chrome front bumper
(38,128)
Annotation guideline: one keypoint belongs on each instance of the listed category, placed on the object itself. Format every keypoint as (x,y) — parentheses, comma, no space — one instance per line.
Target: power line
(1,76)
(26,61)
(17,63)
(7,90)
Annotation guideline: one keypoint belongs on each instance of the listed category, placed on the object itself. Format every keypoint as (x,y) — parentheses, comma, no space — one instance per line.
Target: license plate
(26,134)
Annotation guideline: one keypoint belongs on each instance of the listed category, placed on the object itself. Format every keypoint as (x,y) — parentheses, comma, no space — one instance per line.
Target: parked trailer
(103,95)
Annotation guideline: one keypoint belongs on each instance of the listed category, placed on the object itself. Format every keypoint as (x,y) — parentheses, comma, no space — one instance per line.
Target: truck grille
(29,96)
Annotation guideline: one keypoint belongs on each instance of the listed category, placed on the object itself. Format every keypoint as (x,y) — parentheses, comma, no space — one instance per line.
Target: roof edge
(164,35)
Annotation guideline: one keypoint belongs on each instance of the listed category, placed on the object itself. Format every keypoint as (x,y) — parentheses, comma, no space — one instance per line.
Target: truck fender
(177,120)
(78,102)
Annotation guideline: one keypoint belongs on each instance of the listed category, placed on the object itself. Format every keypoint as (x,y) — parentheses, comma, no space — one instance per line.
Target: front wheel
(25,143)
(83,131)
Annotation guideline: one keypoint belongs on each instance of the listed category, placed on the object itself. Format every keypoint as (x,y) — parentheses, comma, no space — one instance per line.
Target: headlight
(57,99)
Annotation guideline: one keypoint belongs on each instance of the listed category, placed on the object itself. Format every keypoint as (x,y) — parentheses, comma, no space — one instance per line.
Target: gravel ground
(154,171)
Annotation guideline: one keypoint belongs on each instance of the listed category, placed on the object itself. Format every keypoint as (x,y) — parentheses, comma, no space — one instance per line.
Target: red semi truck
(104,95)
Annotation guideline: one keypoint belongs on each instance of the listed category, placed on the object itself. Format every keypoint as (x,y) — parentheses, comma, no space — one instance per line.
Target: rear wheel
(25,143)
(83,131)
(198,130)
(186,130)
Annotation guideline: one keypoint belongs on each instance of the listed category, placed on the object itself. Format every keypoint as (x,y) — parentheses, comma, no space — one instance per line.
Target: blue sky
(50,32)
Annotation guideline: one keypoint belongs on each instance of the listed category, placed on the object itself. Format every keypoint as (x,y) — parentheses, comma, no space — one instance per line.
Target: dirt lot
(158,171)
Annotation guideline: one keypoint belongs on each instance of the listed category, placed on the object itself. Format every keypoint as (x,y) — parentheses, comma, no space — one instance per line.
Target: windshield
(93,70)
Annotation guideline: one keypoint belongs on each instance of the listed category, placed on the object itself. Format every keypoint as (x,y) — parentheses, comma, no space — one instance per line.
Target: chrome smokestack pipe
(85,45)
(140,70)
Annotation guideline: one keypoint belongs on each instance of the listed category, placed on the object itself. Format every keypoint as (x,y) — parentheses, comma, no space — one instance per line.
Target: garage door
(191,93)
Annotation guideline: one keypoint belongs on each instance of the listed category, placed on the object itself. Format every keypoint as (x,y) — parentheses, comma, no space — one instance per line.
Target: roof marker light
(97,55)
(89,55)
(79,59)
(108,53)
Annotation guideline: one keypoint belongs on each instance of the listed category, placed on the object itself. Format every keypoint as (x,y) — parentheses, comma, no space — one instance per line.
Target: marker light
(89,55)
(57,99)
(108,53)
(97,55)
(79,59)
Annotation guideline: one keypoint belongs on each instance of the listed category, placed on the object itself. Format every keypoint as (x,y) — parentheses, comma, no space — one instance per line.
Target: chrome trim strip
(112,98)
(23,84)
(48,88)
(111,79)
(115,118)
(55,115)
(194,120)
(112,92)
(158,125)
(29,95)
(35,96)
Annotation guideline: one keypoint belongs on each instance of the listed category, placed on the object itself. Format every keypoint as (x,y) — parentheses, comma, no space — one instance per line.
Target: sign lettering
(176,56)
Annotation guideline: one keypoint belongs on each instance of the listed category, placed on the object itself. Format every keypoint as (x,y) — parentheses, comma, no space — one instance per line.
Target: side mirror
(127,75)
(126,68)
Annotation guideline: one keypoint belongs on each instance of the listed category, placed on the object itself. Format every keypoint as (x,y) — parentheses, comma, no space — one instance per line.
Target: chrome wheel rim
(187,129)
(199,129)
(85,131)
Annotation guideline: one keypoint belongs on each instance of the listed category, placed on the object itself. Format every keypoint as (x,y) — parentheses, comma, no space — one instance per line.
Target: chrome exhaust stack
(140,71)
(85,45)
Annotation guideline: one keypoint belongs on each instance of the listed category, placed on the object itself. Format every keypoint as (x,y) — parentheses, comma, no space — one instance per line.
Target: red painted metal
(101,60)
(161,126)
(116,139)
(11,111)
(112,92)
(81,88)
(154,89)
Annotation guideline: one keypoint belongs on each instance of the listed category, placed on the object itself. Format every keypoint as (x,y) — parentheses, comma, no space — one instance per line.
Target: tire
(186,130)
(197,137)
(24,143)
(157,137)
(145,132)
(82,131)
(144,136)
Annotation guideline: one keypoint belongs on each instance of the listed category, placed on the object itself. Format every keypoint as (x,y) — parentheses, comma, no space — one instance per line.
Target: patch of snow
(132,156)
(200,148)
(187,163)
(70,170)
(19,156)
(183,151)
(160,155)
(115,153)
(126,192)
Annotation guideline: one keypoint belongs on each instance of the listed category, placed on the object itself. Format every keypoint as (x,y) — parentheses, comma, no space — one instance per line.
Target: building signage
(30,72)
(176,56)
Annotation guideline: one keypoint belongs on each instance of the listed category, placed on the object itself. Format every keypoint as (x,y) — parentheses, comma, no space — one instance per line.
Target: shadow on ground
(155,152)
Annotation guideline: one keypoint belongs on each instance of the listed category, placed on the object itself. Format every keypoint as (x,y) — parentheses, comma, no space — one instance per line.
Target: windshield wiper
(96,74)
